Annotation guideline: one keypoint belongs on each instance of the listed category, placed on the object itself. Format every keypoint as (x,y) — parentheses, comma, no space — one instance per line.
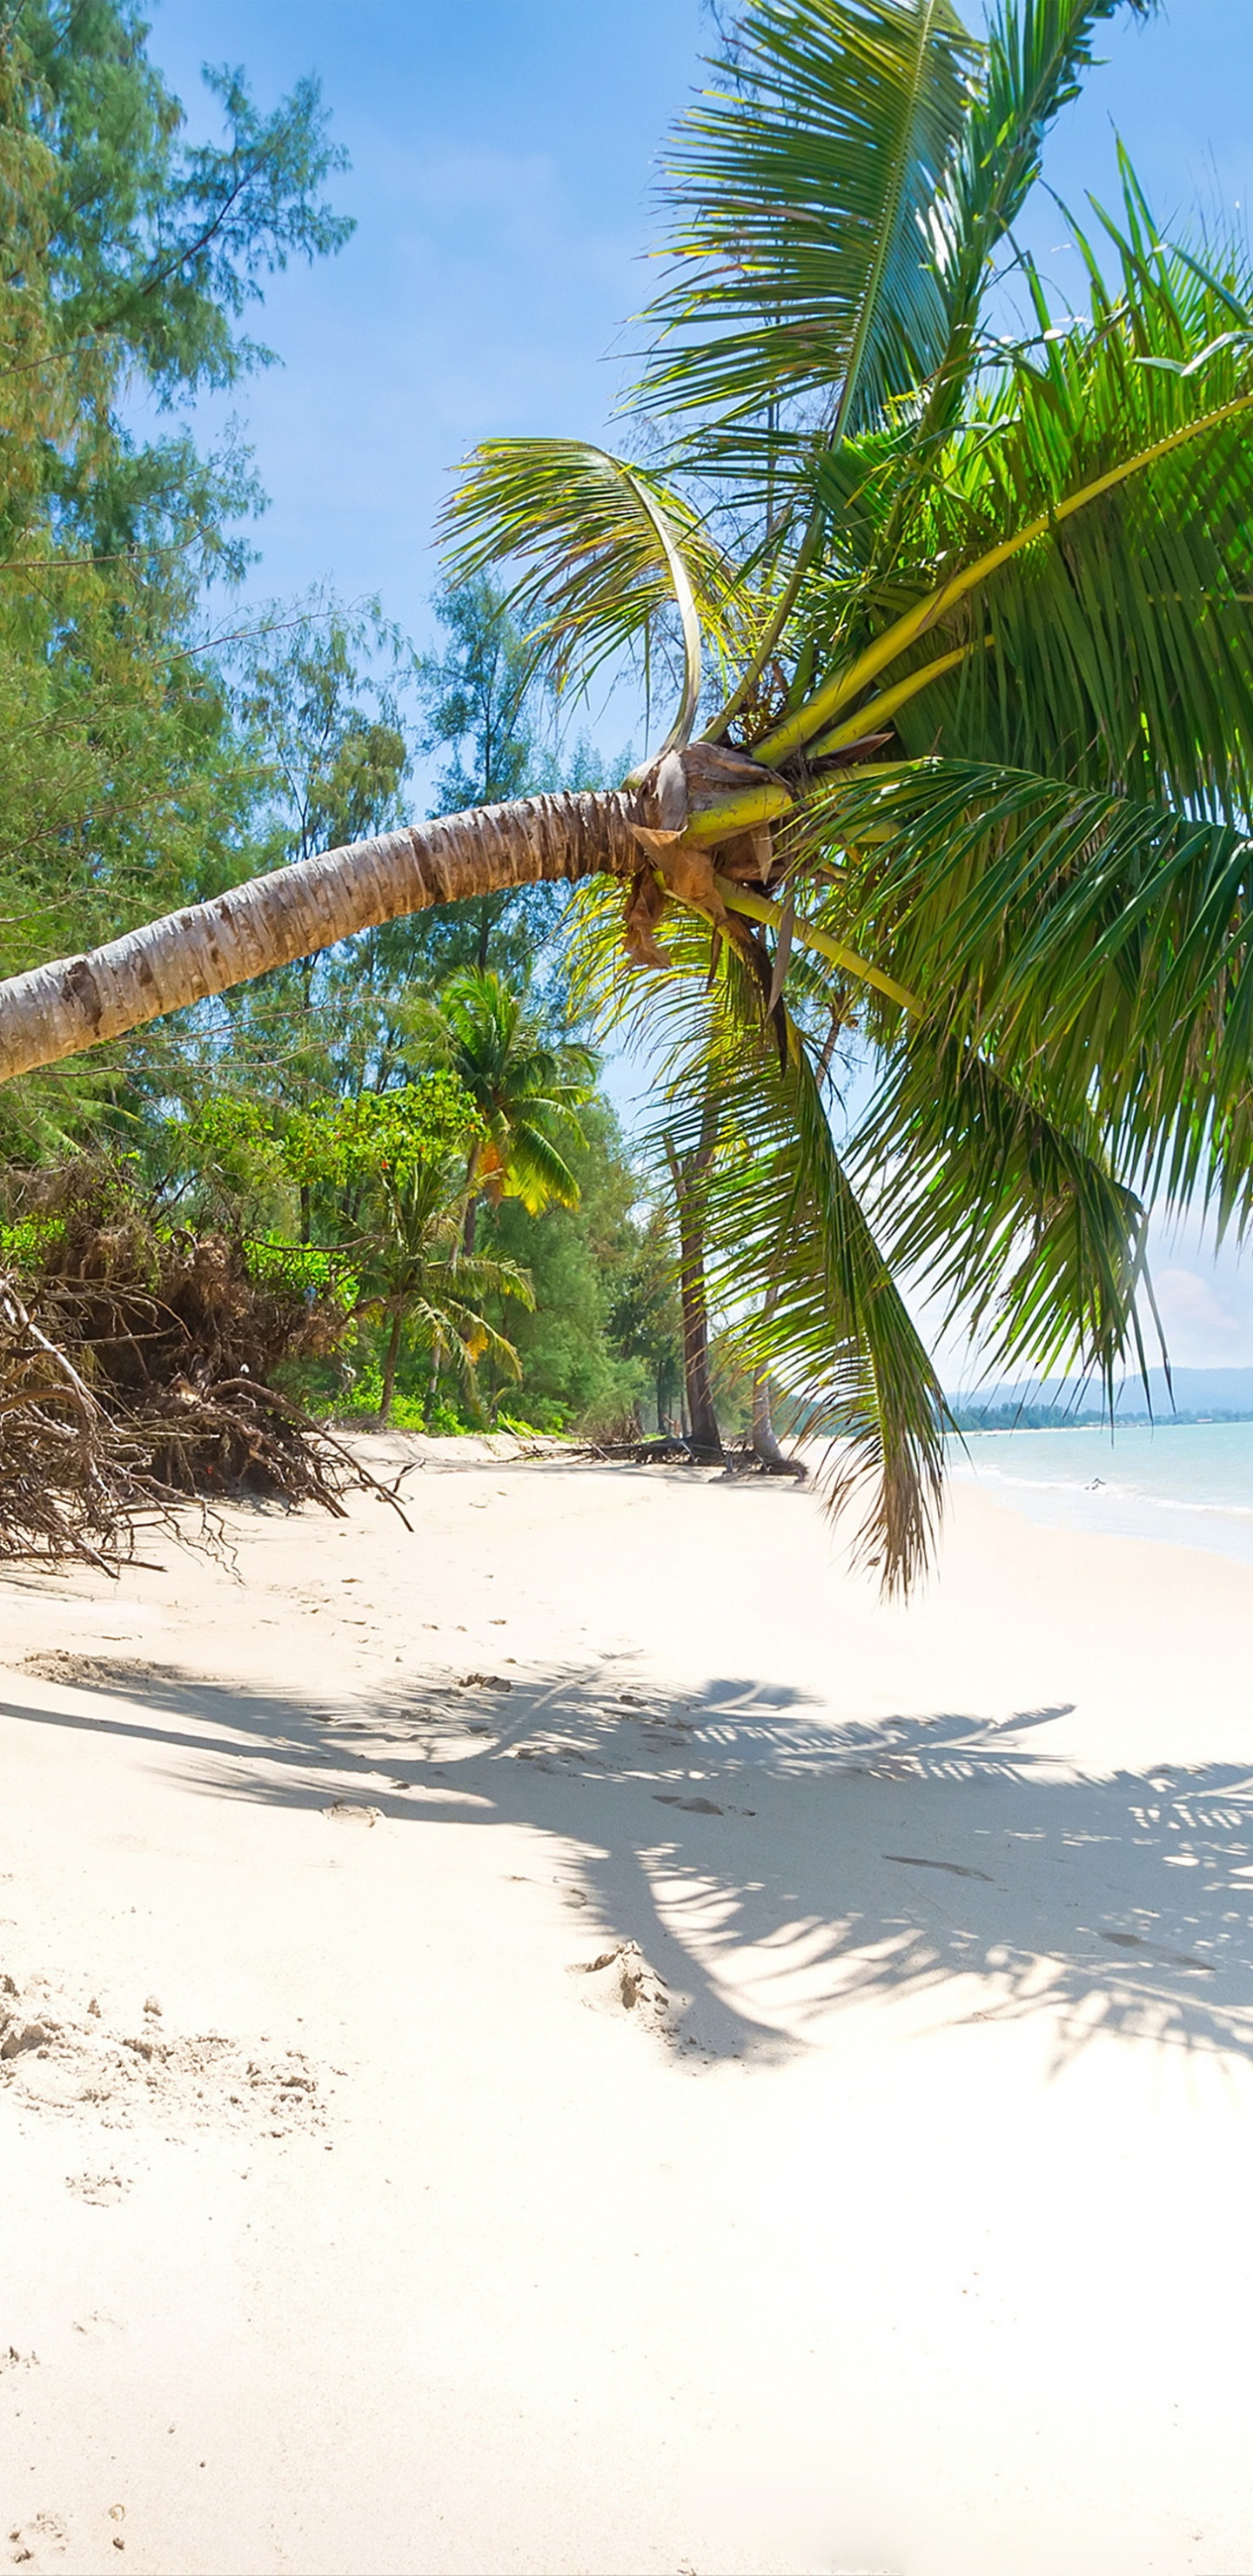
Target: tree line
(414,1116)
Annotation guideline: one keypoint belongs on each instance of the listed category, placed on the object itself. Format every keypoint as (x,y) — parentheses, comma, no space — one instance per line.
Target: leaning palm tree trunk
(77,1002)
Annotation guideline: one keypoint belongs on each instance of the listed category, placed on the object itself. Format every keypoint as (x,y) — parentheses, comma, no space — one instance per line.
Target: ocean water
(1189,1483)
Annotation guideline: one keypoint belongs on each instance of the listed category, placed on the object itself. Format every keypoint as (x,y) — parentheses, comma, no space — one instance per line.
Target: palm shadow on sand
(773,1865)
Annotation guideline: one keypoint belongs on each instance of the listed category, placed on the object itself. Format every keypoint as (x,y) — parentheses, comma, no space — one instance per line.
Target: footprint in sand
(103,2190)
(23,2035)
(46,2535)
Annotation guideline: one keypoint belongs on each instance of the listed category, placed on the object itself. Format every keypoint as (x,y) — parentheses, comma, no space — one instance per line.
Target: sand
(575,2039)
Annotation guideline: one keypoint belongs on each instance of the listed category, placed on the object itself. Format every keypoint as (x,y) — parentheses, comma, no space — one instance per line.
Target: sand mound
(99,1672)
(64,2055)
(621,1980)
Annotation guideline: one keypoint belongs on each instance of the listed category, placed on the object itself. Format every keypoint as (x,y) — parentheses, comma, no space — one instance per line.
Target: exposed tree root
(134,1378)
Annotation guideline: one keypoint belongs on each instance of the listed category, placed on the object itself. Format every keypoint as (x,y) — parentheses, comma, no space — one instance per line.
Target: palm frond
(537,1171)
(793,1267)
(607,550)
(800,189)
(931,612)
(1015,1224)
(1091,517)
(467,1277)
(1034,58)
(1098,947)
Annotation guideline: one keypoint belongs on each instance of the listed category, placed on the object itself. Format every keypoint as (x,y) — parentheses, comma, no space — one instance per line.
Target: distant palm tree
(528,1096)
(415,1273)
(975,713)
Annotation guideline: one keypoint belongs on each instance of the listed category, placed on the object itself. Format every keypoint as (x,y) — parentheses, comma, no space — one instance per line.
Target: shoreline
(719,2102)
(1115,1499)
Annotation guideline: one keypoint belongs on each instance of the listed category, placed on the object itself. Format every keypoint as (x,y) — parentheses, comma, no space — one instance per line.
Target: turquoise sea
(1188,1483)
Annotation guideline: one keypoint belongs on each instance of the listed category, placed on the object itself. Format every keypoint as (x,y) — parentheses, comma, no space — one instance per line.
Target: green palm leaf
(607,552)
(1015,1224)
(1097,946)
(1089,518)
(1033,63)
(793,1266)
(800,191)
(795,1260)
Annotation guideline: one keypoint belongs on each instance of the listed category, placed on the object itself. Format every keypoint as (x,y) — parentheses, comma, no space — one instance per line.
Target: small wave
(1108,1490)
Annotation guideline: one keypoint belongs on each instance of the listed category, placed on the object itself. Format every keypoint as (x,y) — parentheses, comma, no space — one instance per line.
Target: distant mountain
(1191,1392)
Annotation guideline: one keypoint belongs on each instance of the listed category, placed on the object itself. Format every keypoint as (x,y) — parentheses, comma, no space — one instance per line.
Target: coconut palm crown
(960,632)
(528,1096)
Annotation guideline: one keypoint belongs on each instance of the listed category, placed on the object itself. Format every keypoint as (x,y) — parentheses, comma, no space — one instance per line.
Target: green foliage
(315,690)
(527,1095)
(550,1420)
(158,247)
(304,1268)
(229,1145)
(643,1321)
(574,1353)
(30,1242)
(382,1138)
(127,258)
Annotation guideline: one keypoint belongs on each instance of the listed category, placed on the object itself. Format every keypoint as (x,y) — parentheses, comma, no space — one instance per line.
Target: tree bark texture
(687,1174)
(702,1415)
(77,1002)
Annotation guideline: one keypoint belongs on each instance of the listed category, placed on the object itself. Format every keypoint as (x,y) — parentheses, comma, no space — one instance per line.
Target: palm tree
(416,1273)
(962,755)
(527,1095)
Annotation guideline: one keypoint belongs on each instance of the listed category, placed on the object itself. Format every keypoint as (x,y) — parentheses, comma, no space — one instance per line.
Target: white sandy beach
(885,2209)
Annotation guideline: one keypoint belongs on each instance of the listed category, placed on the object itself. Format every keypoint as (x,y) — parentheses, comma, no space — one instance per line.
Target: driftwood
(742,1458)
(671,1450)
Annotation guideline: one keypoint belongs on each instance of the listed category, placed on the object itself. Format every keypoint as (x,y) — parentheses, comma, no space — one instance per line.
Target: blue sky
(503,158)
(503,154)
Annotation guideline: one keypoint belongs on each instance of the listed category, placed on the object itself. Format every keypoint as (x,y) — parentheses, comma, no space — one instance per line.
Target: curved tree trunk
(76,1002)
(766,1449)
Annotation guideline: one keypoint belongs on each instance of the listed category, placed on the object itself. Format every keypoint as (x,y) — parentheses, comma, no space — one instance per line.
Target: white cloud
(1190,1309)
